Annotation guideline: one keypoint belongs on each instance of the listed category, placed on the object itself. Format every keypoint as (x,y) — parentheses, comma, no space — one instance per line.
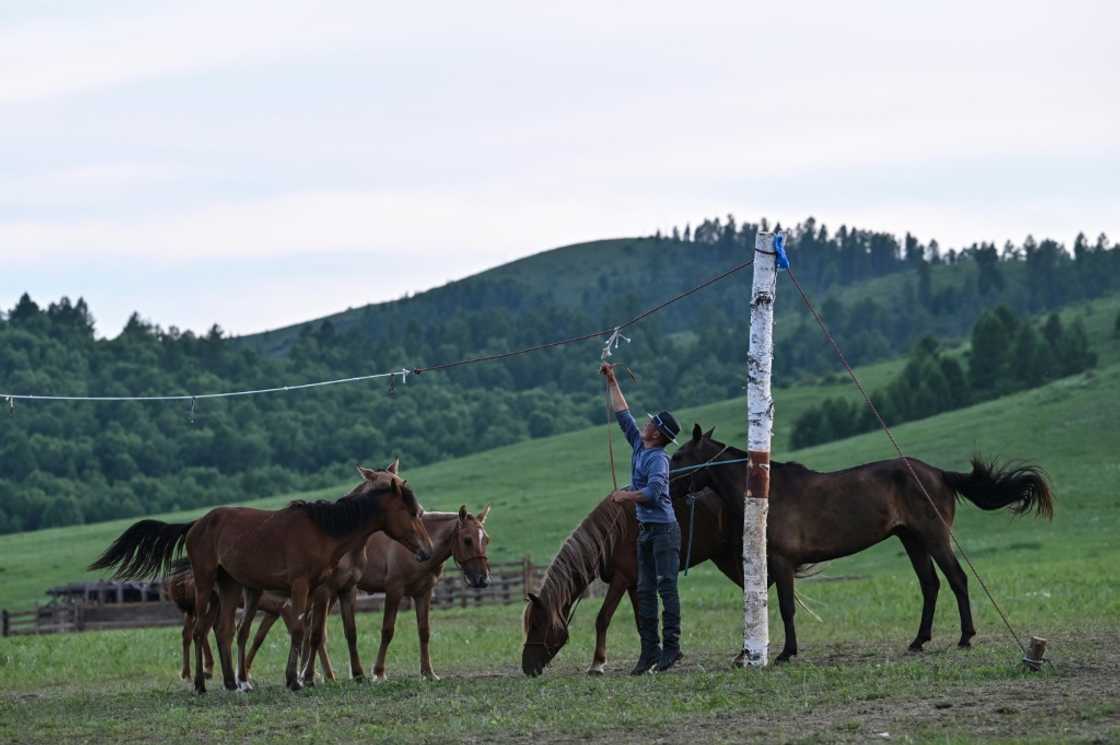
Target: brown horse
(813,517)
(391,570)
(604,546)
(289,552)
(179,588)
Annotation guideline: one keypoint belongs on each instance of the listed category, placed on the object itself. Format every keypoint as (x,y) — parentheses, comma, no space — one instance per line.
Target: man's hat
(666,424)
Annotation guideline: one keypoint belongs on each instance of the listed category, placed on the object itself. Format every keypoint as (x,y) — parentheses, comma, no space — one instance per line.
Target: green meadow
(852,681)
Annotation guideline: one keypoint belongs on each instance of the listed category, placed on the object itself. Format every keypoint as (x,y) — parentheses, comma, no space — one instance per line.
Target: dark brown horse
(289,552)
(813,517)
(390,569)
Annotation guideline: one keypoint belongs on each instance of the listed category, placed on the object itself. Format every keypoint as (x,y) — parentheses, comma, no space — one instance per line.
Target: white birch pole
(760,424)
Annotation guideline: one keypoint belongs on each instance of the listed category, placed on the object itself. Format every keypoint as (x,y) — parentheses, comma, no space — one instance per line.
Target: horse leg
(781,574)
(298,593)
(228,592)
(927,579)
(314,639)
(632,593)
(258,639)
(958,582)
(388,625)
(203,620)
(346,600)
(603,622)
(252,600)
(188,632)
(209,621)
(325,660)
(423,605)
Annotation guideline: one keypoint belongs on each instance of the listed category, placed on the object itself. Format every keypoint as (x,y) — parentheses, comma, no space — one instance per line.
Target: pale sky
(260,164)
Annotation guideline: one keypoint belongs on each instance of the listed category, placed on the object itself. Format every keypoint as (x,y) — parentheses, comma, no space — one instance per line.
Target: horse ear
(708,434)
(532,598)
(397,487)
(367,474)
(697,433)
(462,512)
(482,515)
(394,466)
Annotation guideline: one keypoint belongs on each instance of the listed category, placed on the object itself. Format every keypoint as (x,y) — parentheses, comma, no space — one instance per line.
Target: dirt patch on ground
(1075,700)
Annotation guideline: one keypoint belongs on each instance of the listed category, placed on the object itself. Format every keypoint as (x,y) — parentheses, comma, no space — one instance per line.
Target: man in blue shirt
(659,535)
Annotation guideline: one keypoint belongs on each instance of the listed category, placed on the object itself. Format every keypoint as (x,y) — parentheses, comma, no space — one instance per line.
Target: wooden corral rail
(509,581)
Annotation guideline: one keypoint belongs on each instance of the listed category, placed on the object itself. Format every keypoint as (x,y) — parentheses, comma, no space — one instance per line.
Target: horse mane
(344,516)
(578,561)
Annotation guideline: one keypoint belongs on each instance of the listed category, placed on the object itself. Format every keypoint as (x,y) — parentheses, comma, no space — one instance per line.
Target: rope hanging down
(614,333)
(906,460)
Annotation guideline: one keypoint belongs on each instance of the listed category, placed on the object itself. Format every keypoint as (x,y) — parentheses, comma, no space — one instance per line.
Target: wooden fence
(509,581)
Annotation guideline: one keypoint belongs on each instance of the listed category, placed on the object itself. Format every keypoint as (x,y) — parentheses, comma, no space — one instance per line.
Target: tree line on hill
(1007,354)
(66,463)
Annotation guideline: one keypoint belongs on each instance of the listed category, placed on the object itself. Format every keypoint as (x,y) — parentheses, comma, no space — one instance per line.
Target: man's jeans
(659,561)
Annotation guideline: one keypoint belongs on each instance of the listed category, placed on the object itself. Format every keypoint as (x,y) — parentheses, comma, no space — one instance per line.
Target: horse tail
(144,550)
(991,486)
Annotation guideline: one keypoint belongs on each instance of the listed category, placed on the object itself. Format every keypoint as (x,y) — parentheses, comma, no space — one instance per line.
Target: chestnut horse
(813,517)
(391,570)
(288,551)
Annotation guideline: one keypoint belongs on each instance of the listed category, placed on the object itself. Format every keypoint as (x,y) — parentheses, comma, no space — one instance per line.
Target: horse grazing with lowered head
(288,552)
(391,570)
(813,517)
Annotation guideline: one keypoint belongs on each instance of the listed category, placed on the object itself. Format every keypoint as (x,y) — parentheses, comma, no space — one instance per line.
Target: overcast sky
(256,165)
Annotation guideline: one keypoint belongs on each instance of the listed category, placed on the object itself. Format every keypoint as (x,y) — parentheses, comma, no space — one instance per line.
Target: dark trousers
(659,546)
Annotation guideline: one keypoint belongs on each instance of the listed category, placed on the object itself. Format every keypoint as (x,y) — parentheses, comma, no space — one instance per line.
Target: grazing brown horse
(813,517)
(289,552)
(604,546)
(390,569)
(179,588)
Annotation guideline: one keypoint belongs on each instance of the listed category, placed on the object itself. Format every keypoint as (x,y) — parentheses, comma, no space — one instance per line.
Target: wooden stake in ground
(760,424)
(1035,655)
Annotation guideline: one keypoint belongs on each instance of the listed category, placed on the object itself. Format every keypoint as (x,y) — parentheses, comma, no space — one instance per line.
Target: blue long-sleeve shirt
(649,474)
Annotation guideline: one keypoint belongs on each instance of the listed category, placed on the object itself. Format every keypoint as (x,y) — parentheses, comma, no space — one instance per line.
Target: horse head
(400,510)
(546,632)
(469,547)
(699,449)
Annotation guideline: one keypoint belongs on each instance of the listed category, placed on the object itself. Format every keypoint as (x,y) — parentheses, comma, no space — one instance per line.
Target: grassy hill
(541,488)
(851,682)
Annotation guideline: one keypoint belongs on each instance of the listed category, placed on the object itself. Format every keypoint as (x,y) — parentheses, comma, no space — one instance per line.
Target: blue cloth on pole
(780,250)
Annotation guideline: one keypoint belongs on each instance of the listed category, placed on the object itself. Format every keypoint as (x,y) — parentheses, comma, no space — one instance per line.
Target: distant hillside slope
(65,463)
(542,488)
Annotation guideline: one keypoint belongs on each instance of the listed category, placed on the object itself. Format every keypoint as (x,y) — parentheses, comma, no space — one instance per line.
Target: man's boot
(651,646)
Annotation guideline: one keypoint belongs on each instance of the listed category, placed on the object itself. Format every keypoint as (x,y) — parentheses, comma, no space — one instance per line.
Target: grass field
(851,683)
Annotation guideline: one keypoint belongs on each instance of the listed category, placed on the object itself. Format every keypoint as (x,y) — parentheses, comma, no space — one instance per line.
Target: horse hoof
(379,677)
(359,678)
(432,677)
(245,686)
(964,644)
(295,685)
(199,690)
(597,670)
